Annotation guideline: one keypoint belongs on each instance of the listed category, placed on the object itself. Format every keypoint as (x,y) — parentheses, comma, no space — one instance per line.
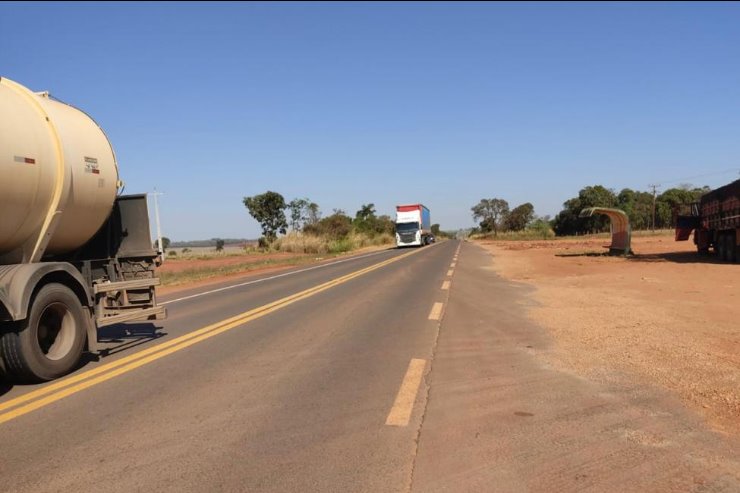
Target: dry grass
(295,242)
(290,250)
(206,252)
(200,273)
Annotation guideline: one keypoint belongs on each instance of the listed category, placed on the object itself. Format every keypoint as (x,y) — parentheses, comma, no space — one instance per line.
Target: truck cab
(413,225)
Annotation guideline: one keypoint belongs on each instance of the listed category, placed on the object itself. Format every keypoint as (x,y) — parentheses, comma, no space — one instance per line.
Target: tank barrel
(58,175)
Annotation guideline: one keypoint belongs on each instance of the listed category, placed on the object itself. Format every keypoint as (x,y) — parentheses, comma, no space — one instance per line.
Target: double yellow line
(51,393)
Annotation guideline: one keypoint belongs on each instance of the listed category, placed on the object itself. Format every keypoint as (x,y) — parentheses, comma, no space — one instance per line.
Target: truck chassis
(50,311)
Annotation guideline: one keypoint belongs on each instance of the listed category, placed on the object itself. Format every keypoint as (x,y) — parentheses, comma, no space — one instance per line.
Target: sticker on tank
(91,165)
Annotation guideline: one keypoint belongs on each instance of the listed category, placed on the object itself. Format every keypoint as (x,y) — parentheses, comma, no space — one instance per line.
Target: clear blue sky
(389,103)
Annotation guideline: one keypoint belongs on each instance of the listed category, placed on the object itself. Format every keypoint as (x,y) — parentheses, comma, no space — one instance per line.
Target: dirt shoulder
(666,316)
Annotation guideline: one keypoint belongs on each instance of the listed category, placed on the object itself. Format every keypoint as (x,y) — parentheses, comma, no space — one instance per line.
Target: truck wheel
(724,241)
(49,343)
(731,247)
(719,247)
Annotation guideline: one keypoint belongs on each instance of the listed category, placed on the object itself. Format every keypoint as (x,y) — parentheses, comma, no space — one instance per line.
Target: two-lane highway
(404,370)
(310,379)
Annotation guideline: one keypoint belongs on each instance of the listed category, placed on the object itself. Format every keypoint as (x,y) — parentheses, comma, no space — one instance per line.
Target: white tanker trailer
(74,255)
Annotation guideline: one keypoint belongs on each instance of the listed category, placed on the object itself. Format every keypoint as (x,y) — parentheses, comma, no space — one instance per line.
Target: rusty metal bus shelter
(620,228)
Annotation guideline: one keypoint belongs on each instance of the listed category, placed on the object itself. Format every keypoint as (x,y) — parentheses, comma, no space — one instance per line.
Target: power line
(714,173)
(655,186)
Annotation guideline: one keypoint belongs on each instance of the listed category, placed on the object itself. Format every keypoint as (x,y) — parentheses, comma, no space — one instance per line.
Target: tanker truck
(75,255)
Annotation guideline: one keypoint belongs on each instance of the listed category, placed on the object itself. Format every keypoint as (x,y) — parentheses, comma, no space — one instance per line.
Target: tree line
(494,216)
(645,210)
(303,215)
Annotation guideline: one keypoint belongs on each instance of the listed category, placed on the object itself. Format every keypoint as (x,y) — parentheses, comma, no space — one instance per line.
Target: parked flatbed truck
(715,222)
(74,255)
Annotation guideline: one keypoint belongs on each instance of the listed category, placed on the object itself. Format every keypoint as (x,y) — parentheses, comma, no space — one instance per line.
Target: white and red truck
(413,225)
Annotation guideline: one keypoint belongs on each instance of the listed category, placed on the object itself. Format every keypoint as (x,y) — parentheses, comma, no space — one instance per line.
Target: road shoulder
(500,418)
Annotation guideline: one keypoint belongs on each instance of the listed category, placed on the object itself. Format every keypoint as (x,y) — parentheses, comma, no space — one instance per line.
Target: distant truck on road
(413,225)
(74,255)
(715,222)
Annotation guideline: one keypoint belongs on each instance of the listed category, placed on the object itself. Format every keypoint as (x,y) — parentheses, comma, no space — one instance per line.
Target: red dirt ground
(666,316)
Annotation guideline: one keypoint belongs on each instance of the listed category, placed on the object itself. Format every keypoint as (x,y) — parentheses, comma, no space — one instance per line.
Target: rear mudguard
(19,281)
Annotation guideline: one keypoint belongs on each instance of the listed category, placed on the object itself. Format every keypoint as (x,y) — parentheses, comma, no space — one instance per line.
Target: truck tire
(731,247)
(725,247)
(49,343)
(720,247)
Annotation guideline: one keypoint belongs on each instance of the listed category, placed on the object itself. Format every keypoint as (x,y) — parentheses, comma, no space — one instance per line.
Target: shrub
(336,226)
(295,242)
(340,246)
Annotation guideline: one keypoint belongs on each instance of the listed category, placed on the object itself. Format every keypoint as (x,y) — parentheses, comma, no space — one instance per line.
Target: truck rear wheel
(49,343)
(721,247)
(731,247)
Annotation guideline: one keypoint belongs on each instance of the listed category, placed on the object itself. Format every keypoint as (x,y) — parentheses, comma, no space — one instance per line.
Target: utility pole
(654,187)
(156,216)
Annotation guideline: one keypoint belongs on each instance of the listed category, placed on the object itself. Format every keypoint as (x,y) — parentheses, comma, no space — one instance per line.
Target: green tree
(365,219)
(568,222)
(384,224)
(268,209)
(519,217)
(491,213)
(542,226)
(219,244)
(335,227)
(299,213)
(638,206)
(165,243)
(668,203)
(626,201)
(366,211)
(435,229)
(313,213)
(642,211)
(596,196)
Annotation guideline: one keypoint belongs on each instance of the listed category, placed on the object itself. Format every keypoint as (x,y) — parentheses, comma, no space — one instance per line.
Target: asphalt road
(294,400)
(405,370)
